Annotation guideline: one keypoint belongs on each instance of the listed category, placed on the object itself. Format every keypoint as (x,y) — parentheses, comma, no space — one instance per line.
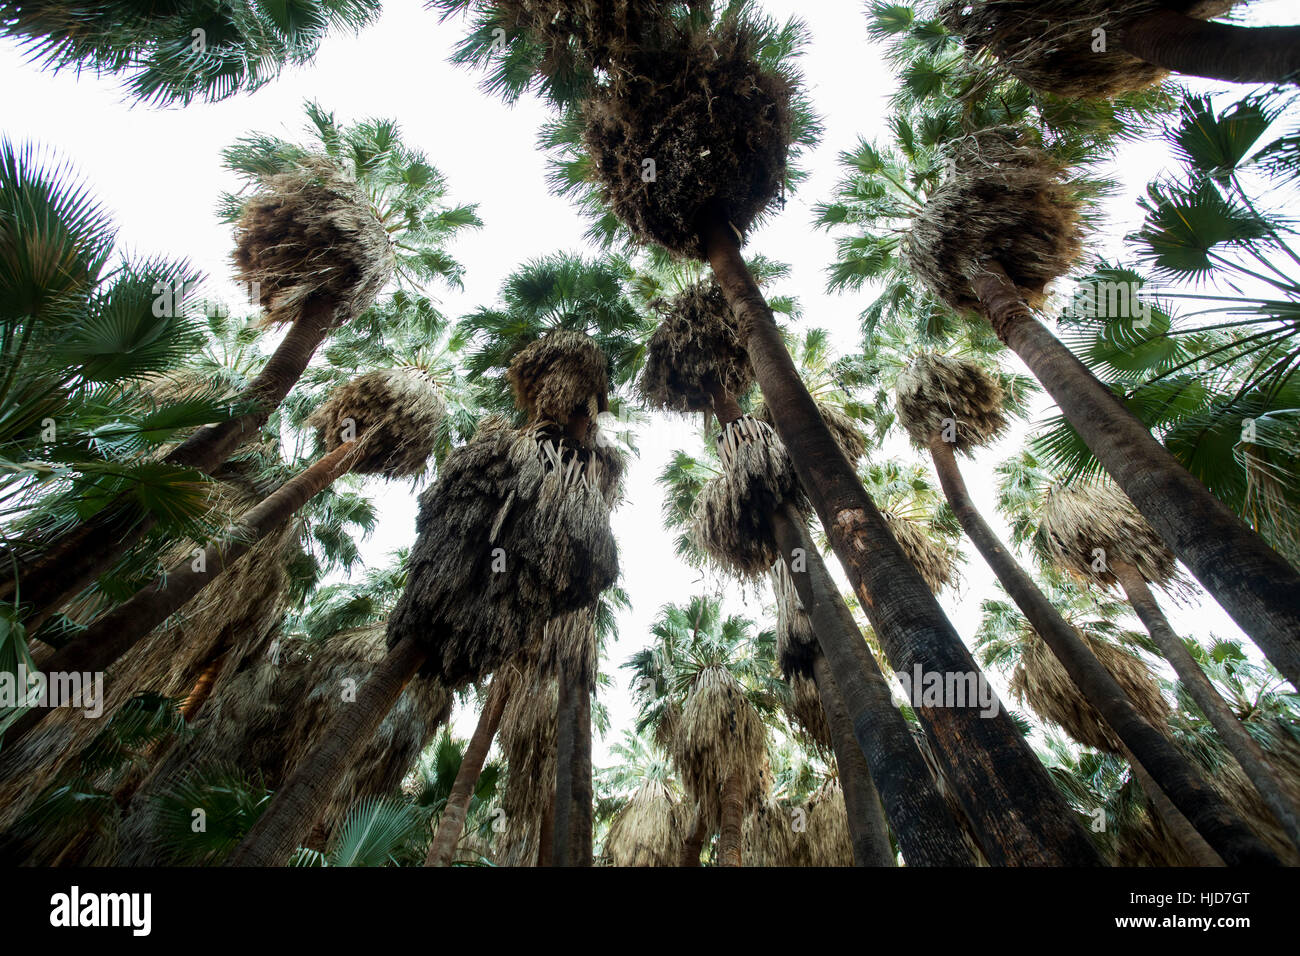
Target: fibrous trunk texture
(1218,51)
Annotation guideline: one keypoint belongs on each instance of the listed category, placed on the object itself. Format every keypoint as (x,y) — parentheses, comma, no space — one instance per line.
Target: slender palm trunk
(1218,51)
(1234,734)
(203,686)
(572,834)
(452,822)
(114,633)
(1178,825)
(733,818)
(867,828)
(70,563)
(693,845)
(1249,579)
(926,832)
(1021,816)
(1199,802)
(302,800)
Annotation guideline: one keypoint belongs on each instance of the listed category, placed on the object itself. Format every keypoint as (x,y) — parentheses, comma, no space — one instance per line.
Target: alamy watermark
(78,690)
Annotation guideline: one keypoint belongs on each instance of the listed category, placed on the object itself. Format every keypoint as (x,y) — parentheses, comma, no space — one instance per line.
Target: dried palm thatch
(311,234)
(769,837)
(569,643)
(591,34)
(237,612)
(515,532)
(1041,681)
(843,429)
(716,124)
(393,412)
(268,718)
(562,375)
(721,735)
(795,646)
(1006,203)
(1086,527)
(828,839)
(1052,45)
(732,515)
(527,738)
(698,344)
(648,831)
(936,564)
(939,395)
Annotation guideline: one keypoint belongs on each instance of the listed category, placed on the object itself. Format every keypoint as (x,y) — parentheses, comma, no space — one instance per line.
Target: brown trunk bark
(733,818)
(202,690)
(1251,581)
(725,407)
(302,800)
(546,834)
(693,845)
(926,832)
(1218,51)
(571,838)
(1020,815)
(116,632)
(452,822)
(1200,803)
(72,562)
(1235,736)
(1178,825)
(867,827)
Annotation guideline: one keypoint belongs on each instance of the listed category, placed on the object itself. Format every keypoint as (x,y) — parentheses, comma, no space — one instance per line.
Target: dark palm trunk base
(1218,51)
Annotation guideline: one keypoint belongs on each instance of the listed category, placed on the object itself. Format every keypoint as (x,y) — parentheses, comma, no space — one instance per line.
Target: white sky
(159,172)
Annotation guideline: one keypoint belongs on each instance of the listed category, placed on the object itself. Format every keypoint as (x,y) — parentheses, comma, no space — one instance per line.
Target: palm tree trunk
(72,562)
(203,687)
(733,818)
(302,800)
(572,834)
(1234,734)
(927,834)
(546,834)
(113,634)
(1218,51)
(452,822)
(693,845)
(1178,825)
(1249,579)
(1199,802)
(1021,816)
(867,827)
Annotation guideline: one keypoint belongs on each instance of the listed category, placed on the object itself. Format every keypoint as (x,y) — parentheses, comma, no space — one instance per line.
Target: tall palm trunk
(1218,51)
(1021,816)
(733,818)
(1249,579)
(203,685)
(452,822)
(927,834)
(1234,734)
(296,807)
(867,828)
(114,633)
(571,836)
(693,845)
(1178,825)
(1199,802)
(72,562)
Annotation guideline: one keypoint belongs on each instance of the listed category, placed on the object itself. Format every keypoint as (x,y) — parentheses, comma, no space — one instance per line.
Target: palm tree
(470,604)
(176,52)
(1094,48)
(703,670)
(1008,196)
(382,423)
(319,239)
(951,405)
(1094,531)
(696,363)
(267,718)
(646,829)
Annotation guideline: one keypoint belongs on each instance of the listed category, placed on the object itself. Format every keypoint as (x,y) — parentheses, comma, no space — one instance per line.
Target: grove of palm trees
(650,433)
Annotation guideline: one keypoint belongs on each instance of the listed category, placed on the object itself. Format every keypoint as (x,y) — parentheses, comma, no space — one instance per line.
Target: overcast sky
(159,173)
